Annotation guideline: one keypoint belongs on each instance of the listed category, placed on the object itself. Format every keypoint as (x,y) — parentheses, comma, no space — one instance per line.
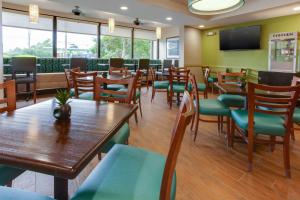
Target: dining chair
(296,115)
(207,107)
(231,100)
(8,104)
(24,73)
(84,84)
(268,116)
(210,79)
(135,173)
(176,63)
(158,86)
(69,80)
(202,87)
(166,65)
(79,63)
(144,65)
(178,78)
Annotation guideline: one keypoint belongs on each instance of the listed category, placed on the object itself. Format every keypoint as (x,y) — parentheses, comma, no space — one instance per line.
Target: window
(145,44)
(76,39)
(21,38)
(173,47)
(116,44)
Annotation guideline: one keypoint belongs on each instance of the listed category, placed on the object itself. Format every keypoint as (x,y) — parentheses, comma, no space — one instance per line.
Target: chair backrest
(261,99)
(152,74)
(144,64)
(194,92)
(176,63)
(225,77)
(123,96)
(179,76)
(8,103)
(23,65)
(84,82)
(206,76)
(167,64)
(203,68)
(69,78)
(79,62)
(244,70)
(116,62)
(184,117)
(118,71)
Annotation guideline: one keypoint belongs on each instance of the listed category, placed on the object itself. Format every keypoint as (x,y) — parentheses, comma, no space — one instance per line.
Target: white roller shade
(14,19)
(119,31)
(143,34)
(76,27)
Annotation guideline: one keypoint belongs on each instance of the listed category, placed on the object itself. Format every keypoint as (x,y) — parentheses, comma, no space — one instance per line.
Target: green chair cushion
(161,84)
(231,100)
(119,138)
(296,117)
(212,79)
(72,92)
(8,174)
(263,123)
(7,193)
(137,94)
(89,96)
(115,87)
(178,88)
(213,107)
(126,173)
(200,86)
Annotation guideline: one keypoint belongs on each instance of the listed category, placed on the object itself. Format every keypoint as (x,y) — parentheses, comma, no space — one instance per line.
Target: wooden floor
(206,169)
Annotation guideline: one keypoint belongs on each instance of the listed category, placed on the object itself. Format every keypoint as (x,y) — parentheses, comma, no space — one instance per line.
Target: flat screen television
(245,38)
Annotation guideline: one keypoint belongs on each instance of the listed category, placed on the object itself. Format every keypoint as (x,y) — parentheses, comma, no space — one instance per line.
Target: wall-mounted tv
(245,38)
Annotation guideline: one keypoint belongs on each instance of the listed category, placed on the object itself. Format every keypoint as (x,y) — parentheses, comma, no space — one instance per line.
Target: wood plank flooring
(206,169)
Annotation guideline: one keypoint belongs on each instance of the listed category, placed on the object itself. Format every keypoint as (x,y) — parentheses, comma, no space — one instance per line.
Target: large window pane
(76,39)
(21,38)
(117,44)
(144,44)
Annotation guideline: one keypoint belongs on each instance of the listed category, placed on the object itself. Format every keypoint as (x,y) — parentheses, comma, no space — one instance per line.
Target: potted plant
(63,110)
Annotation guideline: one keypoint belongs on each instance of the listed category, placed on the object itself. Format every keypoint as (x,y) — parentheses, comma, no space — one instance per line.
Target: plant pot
(62,112)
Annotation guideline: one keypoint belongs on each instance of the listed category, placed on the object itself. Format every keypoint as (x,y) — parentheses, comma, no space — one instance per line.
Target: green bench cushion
(213,107)
(16,194)
(263,123)
(161,84)
(119,138)
(126,173)
(231,100)
(8,174)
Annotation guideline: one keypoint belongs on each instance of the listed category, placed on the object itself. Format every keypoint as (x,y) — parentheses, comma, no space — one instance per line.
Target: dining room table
(32,139)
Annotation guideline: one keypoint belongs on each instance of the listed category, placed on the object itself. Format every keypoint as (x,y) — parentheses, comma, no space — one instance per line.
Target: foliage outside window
(144,44)
(115,47)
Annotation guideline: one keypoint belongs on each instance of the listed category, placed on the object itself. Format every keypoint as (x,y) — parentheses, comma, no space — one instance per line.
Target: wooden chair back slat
(10,100)
(194,92)
(118,71)
(69,78)
(272,100)
(179,76)
(84,82)
(184,117)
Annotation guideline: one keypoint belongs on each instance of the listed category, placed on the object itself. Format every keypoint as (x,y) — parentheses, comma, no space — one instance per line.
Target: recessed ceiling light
(296,8)
(201,26)
(124,8)
(169,18)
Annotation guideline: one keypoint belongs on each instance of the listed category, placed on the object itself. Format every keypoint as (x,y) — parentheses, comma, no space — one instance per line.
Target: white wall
(166,33)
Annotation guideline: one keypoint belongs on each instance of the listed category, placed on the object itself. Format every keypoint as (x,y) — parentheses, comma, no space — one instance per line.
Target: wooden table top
(111,77)
(30,137)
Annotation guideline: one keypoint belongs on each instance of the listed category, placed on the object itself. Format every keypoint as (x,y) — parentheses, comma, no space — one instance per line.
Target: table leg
(60,188)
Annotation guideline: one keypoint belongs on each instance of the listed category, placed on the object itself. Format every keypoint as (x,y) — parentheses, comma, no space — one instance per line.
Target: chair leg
(219,119)
(136,117)
(293,132)
(231,135)
(196,125)
(34,93)
(153,93)
(222,123)
(171,99)
(147,82)
(228,131)
(140,106)
(9,184)
(286,156)
(250,151)
(272,143)
(193,121)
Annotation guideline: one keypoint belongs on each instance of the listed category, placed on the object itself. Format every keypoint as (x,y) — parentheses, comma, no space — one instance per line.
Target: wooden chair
(144,65)
(130,172)
(80,63)
(178,78)
(207,107)
(158,86)
(230,77)
(138,92)
(84,84)
(269,116)
(69,79)
(8,104)
(296,115)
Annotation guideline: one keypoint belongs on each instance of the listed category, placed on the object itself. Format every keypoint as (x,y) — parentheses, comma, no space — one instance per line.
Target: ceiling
(154,12)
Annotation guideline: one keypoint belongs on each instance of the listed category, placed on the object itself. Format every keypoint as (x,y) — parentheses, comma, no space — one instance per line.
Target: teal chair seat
(296,117)
(212,79)
(161,84)
(8,174)
(16,194)
(213,107)
(126,173)
(200,86)
(231,100)
(178,88)
(265,124)
(120,137)
(137,94)
(72,92)
(89,96)
(115,87)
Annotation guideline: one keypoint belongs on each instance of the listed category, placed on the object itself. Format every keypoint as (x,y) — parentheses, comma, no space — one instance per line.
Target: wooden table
(111,77)
(31,139)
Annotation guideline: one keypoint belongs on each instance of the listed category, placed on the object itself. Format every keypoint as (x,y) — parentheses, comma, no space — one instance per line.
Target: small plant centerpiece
(63,110)
(243,81)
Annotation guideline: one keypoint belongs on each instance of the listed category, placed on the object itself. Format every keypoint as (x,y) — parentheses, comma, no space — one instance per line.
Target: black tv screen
(240,38)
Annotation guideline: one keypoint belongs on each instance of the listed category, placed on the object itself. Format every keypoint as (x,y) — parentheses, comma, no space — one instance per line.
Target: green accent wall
(254,59)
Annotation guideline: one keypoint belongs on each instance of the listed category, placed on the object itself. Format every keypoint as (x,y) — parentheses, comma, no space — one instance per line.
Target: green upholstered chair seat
(137,94)
(231,100)
(119,138)
(7,174)
(178,88)
(200,86)
(265,124)
(296,117)
(115,87)
(212,79)
(125,173)
(7,193)
(161,84)
(213,107)
(89,96)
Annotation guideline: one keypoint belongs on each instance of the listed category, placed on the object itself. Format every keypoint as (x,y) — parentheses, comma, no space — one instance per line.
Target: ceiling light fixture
(158,33)
(296,8)
(124,8)
(34,13)
(111,25)
(214,7)
(169,18)
(201,26)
